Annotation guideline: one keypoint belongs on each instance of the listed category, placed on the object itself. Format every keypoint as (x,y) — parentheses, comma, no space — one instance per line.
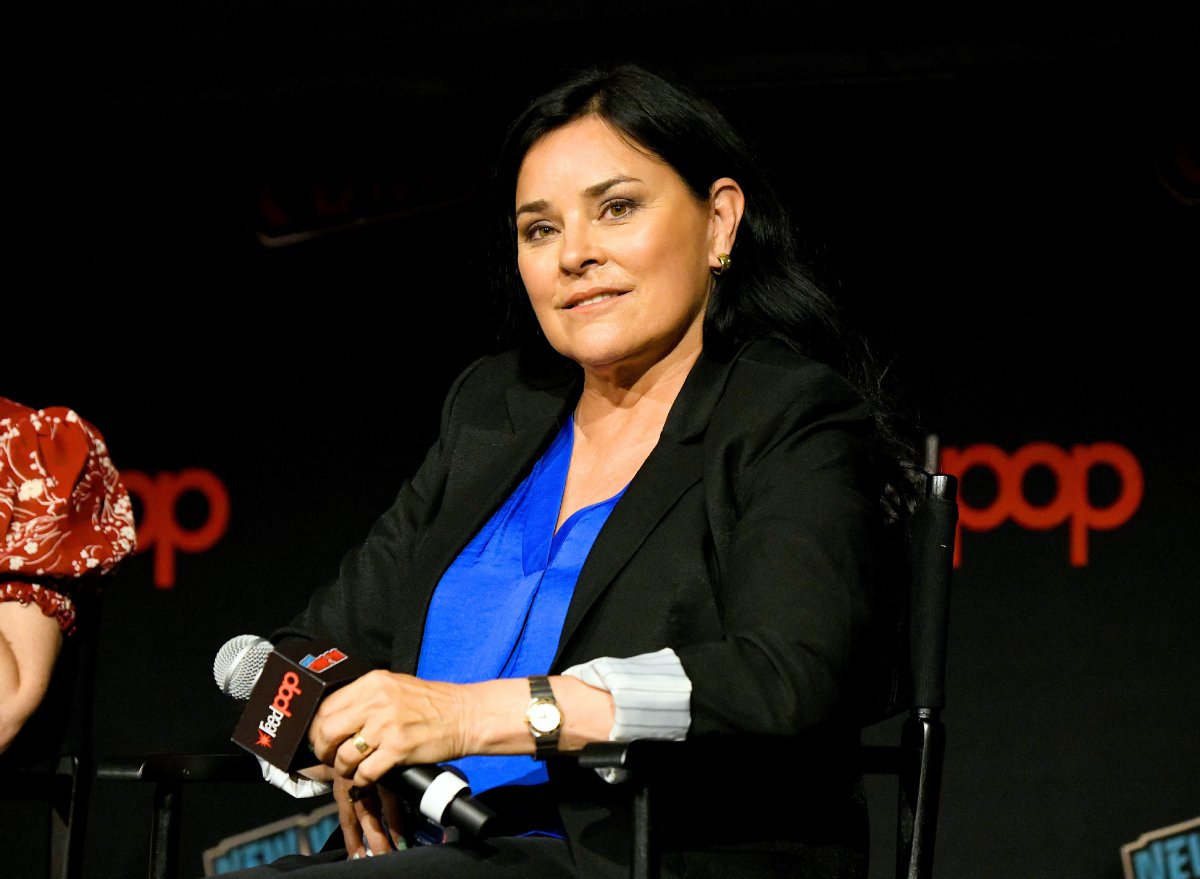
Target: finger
(341,698)
(320,772)
(327,733)
(341,713)
(348,820)
(373,767)
(370,818)
(350,755)
(339,716)
(394,816)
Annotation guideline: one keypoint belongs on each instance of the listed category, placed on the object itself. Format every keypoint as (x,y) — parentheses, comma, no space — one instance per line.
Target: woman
(664,512)
(64,518)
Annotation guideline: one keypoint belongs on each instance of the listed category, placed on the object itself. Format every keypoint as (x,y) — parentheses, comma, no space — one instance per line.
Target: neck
(609,409)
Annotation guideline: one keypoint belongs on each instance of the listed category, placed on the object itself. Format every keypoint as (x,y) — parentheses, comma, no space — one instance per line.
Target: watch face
(544,717)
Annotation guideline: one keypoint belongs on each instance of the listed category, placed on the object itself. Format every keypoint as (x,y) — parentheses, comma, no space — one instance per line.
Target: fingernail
(370,854)
(356,856)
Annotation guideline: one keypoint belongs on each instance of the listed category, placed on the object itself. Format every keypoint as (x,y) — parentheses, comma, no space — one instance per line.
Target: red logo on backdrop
(1070,503)
(159,526)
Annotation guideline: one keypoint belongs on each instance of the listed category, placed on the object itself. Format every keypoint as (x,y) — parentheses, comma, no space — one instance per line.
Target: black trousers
(505,857)
(542,857)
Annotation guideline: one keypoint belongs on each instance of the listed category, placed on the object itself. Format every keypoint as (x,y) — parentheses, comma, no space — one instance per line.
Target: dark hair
(767,292)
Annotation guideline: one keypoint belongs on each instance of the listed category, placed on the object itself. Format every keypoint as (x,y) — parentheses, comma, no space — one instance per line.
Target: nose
(580,248)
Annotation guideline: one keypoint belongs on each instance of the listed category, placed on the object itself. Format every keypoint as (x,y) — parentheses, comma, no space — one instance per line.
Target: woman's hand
(371,818)
(385,719)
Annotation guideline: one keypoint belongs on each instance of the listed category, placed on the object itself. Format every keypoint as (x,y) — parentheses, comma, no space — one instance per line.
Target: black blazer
(750,542)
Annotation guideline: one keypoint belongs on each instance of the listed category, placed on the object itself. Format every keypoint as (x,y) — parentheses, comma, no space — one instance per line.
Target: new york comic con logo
(1170,853)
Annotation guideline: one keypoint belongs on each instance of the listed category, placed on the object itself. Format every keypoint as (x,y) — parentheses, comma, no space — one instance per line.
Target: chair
(916,760)
(51,760)
(169,773)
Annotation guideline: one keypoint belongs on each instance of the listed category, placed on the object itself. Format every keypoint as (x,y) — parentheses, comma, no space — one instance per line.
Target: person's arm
(29,645)
(64,518)
(405,720)
(800,580)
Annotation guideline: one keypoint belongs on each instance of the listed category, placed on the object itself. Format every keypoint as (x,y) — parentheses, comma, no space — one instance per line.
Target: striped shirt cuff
(651,693)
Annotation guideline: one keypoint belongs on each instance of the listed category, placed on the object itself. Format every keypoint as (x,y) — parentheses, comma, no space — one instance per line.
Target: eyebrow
(592,191)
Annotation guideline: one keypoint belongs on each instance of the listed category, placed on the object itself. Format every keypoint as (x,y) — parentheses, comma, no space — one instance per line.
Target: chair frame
(168,773)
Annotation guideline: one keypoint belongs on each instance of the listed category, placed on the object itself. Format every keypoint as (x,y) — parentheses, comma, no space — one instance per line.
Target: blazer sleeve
(798,582)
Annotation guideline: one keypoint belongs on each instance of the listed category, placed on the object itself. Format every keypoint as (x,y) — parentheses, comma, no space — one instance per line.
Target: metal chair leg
(644,863)
(164,835)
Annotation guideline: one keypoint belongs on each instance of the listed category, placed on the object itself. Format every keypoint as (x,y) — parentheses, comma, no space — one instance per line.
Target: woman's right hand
(371,818)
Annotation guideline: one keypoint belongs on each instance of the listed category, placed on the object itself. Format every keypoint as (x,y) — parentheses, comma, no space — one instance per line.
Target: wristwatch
(543,717)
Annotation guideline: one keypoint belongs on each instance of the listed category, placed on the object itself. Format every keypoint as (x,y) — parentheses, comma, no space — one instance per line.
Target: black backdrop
(1013,218)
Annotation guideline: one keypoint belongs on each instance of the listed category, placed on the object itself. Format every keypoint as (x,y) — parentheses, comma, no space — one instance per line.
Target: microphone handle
(444,797)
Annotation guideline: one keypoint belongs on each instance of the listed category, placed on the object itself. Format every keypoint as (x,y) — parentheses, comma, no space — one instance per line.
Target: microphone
(283,684)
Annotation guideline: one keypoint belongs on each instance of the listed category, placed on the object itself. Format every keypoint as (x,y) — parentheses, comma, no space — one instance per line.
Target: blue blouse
(498,611)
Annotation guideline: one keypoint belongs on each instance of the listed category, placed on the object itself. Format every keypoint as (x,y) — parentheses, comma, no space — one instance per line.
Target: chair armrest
(180,768)
(638,756)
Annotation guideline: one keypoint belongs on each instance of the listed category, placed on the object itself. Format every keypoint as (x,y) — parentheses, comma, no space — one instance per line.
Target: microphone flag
(295,678)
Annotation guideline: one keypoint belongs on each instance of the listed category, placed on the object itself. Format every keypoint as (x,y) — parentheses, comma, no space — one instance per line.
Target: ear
(726,204)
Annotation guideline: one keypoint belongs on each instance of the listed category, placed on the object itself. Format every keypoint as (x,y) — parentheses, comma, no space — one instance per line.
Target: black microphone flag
(295,678)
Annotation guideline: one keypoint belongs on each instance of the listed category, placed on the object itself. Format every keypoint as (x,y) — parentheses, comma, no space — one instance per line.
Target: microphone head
(238,664)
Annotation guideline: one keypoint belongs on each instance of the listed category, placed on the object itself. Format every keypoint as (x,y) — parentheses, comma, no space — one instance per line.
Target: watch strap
(545,743)
(539,688)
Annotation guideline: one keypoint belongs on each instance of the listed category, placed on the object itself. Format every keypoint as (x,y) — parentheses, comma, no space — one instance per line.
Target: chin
(598,354)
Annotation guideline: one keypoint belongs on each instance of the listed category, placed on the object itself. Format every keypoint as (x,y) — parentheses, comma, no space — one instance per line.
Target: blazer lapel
(486,466)
(488,463)
(676,464)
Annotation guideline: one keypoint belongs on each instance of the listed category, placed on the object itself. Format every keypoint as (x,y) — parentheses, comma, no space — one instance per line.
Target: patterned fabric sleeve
(64,513)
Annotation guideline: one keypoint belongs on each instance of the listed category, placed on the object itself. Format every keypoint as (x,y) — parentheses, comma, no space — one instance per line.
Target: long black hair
(767,291)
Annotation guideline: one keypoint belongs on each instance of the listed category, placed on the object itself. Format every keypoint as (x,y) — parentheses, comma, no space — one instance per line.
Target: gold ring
(361,743)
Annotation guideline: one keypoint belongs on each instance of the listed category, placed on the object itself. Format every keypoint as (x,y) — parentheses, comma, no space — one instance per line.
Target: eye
(538,231)
(618,208)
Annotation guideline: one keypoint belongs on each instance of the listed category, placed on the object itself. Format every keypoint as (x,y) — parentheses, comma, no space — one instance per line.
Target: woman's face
(614,250)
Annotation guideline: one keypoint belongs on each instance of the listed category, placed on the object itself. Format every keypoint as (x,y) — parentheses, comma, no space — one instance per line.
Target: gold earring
(723,258)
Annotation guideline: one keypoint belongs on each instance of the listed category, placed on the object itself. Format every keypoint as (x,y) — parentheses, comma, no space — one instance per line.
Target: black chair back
(916,760)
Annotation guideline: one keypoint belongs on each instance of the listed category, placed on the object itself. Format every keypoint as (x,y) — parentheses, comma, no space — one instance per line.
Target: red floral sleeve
(63,510)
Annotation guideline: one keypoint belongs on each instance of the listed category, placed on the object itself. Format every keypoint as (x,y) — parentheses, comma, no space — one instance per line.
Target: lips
(591,297)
